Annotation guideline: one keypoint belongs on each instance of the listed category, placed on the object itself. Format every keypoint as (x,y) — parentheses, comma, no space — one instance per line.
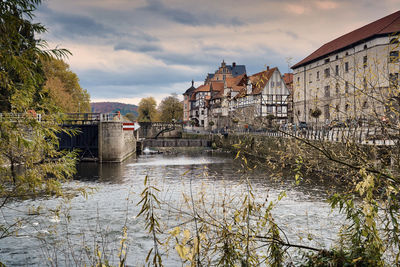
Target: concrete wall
(115,145)
(151,129)
(176,143)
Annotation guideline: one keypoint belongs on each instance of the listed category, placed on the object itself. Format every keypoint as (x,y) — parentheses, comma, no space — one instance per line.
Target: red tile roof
(383,26)
(259,80)
(288,78)
(217,86)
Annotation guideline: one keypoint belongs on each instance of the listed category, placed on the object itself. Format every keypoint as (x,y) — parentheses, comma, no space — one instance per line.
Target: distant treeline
(111,107)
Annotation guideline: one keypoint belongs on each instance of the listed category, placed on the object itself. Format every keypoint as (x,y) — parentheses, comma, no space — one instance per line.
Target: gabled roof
(203,88)
(238,70)
(288,78)
(383,26)
(217,86)
(259,80)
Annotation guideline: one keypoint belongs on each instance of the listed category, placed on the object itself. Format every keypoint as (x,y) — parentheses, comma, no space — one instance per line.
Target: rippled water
(118,188)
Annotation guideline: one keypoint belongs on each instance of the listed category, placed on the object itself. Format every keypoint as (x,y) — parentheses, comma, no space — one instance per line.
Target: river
(99,217)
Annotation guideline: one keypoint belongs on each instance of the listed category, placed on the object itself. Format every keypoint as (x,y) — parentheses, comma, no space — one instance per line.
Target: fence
(361,135)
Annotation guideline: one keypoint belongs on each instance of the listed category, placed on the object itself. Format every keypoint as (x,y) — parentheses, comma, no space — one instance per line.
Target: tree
(130,116)
(171,109)
(27,142)
(22,55)
(147,110)
(64,89)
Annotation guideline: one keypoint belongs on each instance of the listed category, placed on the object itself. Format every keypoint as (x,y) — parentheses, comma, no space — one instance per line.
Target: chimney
(233,64)
(267,67)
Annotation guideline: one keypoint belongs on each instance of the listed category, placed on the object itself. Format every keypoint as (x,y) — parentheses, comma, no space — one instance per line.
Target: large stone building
(349,78)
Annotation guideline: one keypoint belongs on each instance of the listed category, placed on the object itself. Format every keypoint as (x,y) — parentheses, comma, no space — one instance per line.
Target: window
(326,111)
(337,108)
(393,79)
(317,75)
(327,73)
(298,79)
(346,108)
(394,56)
(337,57)
(337,70)
(310,78)
(347,53)
(278,98)
(365,105)
(394,41)
(298,113)
(365,47)
(327,89)
(269,109)
(365,61)
(346,66)
(279,109)
(272,84)
(327,60)
(337,88)
(365,83)
(346,87)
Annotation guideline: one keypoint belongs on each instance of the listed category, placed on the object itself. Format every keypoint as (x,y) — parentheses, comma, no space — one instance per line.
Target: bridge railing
(19,116)
(90,118)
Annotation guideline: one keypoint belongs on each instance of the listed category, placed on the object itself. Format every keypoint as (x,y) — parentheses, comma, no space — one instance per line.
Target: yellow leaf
(175,231)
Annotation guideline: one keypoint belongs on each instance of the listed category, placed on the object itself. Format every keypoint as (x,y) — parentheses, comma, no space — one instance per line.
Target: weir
(98,137)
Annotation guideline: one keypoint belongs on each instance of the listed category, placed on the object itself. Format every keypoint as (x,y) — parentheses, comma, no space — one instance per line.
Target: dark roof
(383,26)
(237,70)
(210,76)
(190,90)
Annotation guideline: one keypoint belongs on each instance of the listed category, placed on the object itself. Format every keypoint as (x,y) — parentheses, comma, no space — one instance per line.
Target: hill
(112,107)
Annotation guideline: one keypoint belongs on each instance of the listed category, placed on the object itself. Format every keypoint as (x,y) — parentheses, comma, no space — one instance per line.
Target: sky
(125,50)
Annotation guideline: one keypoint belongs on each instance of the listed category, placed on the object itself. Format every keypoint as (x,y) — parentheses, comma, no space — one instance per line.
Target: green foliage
(170,109)
(315,113)
(30,163)
(147,110)
(21,56)
(130,116)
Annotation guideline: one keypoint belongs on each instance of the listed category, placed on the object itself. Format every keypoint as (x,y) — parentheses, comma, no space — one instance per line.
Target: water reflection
(304,210)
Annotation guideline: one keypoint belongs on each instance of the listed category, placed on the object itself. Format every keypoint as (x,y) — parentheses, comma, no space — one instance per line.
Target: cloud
(296,9)
(157,8)
(72,25)
(326,5)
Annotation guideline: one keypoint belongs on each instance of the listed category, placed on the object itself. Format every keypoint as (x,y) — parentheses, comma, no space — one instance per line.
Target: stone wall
(115,145)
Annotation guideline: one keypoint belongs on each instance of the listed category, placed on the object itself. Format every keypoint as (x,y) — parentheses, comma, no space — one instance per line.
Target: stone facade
(351,82)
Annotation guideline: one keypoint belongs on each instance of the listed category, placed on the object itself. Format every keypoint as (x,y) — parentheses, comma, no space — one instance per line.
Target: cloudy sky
(124,50)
